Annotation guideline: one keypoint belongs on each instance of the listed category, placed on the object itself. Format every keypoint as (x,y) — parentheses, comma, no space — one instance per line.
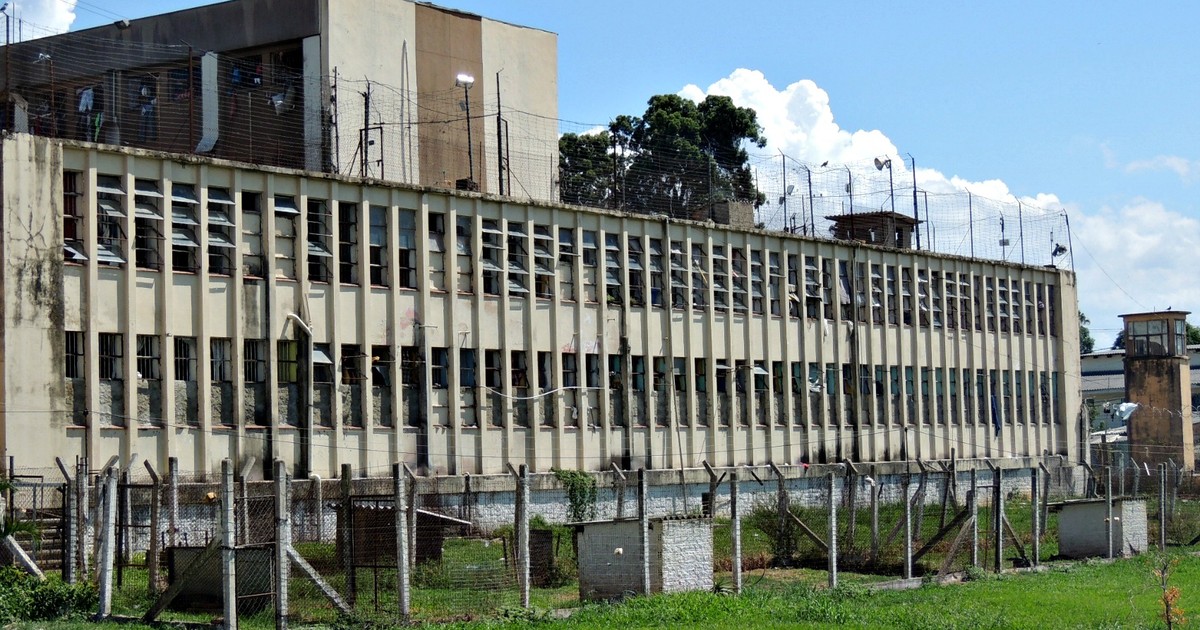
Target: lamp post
(465,81)
(879,164)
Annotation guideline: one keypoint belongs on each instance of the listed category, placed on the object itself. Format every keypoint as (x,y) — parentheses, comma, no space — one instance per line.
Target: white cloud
(42,17)
(1187,170)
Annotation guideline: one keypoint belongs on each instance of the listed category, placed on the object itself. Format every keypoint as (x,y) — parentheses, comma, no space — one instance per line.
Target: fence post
(172,501)
(998,516)
(107,543)
(1035,515)
(974,518)
(735,526)
(905,482)
(1108,506)
(875,486)
(1162,507)
(410,507)
(346,532)
(82,510)
(620,482)
(833,551)
(403,586)
(644,529)
(152,553)
(523,531)
(283,540)
(69,525)
(228,546)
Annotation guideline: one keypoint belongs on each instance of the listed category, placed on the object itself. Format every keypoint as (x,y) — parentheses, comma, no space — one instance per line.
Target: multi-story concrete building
(199,308)
(402,91)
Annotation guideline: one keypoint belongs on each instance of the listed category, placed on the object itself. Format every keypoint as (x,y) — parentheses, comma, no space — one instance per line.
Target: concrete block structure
(1082,530)
(610,557)
(1158,379)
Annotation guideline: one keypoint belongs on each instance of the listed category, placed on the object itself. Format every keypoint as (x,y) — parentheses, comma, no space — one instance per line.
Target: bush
(26,598)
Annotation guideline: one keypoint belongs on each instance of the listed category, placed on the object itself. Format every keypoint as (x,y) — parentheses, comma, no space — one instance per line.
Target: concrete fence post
(523,531)
(82,510)
(1109,528)
(833,550)
(228,546)
(735,526)
(644,529)
(172,501)
(974,518)
(400,516)
(283,540)
(154,551)
(1162,507)
(345,532)
(1035,514)
(905,483)
(107,556)
(70,526)
(998,516)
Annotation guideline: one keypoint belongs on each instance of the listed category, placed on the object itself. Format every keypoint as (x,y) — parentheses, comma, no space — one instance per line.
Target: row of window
(625,270)
(878,390)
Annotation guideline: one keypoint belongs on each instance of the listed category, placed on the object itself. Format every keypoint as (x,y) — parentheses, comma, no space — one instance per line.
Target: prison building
(177,306)
(399,90)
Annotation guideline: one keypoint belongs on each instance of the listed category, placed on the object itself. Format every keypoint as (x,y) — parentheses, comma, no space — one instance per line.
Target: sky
(1085,107)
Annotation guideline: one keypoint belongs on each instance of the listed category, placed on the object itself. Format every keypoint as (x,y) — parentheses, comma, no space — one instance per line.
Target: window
(285,237)
(464,246)
(493,256)
(148,222)
(74,250)
(185,359)
(775,282)
(112,350)
(518,263)
(348,242)
(149,357)
(288,361)
(378,252)
(720,278)
(493,369)
(566,263)
(589,248)
(740,300)
(701,370)
(73,343)
(185,245)
(253,266)
(679,276)
(221,239)
(699,276)
(519,376)
(440,372)
(614,270)
(322,363)
(320,234)
(757,293)
(221,360)
(592,366)
(110,235)
(655,263)
(381,366)
(570,370)
(411,366)
(406,269)
(544,265)
(466,367)
(435,229)
(352,364)
(637,282)
(254,360)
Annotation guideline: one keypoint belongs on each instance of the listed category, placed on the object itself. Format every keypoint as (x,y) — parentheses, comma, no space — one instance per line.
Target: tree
(1086,342)
(677,158)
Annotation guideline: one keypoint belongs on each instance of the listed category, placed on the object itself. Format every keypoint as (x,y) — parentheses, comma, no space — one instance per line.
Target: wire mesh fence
(407,548)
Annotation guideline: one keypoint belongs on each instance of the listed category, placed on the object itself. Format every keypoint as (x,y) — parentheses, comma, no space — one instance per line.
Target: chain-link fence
(400,547)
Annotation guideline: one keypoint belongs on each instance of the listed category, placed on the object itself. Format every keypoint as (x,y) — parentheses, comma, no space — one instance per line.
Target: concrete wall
(610,560)
(681,555)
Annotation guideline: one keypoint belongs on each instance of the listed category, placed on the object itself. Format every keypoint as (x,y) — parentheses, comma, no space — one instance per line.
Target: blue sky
(1090,105)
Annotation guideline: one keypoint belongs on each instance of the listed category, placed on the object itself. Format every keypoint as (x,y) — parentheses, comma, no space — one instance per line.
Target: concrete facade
(464,332)
(287,82)
(1158,379)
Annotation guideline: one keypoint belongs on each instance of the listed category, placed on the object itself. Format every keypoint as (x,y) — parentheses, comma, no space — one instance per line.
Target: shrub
(26,598)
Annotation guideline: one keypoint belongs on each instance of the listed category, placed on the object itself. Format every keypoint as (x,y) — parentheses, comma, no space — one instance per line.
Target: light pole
(879,164)
(465,81)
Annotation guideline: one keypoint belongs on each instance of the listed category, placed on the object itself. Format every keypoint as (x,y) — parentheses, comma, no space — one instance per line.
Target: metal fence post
(283,540)
(644,530)
(833,552)
(403,586)
(228,546)
(70,527)
(735,525)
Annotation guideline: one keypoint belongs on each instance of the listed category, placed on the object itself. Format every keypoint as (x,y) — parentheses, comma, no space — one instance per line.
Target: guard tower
(888,229)
(1157,379)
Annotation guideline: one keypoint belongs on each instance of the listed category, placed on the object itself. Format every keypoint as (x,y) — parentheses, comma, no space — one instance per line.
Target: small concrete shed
(1082,531)
(610,558)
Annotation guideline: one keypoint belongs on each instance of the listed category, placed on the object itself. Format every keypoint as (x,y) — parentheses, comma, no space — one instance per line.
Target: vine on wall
(581,494)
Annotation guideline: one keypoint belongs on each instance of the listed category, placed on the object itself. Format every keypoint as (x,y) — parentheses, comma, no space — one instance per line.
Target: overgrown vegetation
(581,494)
(26,598)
